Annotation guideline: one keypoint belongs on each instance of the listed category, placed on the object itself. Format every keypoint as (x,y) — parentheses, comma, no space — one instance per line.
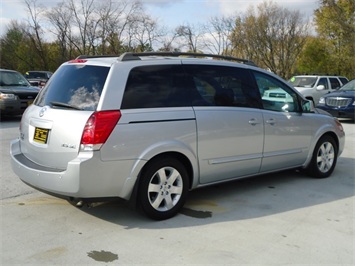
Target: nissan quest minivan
(154,126)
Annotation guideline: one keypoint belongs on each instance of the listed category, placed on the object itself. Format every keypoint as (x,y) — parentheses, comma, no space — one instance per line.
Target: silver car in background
(154,126)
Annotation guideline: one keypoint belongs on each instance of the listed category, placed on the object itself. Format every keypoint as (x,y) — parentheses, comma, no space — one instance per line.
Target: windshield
(38,75)
(8,78)
(74,86)
(350,86)
(306,82)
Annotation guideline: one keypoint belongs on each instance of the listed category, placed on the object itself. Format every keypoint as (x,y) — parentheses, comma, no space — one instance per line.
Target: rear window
(74,86)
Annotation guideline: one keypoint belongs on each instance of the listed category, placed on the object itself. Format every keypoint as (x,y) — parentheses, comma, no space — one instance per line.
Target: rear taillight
(98,128)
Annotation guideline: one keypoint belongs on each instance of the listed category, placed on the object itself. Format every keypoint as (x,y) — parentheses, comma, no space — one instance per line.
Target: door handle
(271,121)
(253,122)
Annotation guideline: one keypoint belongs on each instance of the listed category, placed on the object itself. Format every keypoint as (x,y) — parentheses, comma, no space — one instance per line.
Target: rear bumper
(87,176)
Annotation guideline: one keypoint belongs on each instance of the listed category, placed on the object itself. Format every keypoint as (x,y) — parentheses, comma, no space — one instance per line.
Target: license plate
(41,135)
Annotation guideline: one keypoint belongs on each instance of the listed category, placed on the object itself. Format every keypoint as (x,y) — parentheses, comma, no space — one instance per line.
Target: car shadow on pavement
(347,121)
(242,199)
(9,121)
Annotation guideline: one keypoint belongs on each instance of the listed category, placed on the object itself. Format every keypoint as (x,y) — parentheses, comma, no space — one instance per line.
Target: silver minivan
(154,126)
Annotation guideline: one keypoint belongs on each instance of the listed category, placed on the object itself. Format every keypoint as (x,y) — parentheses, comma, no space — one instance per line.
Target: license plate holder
(41,135)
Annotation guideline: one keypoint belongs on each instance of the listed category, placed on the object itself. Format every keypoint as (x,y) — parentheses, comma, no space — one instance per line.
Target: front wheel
(163,188)
(324,158)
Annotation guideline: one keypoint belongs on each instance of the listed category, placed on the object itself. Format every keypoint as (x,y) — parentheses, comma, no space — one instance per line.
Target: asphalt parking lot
(279,219)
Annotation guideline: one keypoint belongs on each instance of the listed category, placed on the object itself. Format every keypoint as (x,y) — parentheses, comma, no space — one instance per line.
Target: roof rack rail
(94,56)
(136,56)
(316,74)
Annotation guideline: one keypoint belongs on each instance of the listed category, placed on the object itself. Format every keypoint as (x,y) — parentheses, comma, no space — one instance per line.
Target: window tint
(334,83)
(223,86)
(37,75)
(9,78)
(305,82)
(324,82)
(343,80)
(156,86)
(79,86)
(275,95)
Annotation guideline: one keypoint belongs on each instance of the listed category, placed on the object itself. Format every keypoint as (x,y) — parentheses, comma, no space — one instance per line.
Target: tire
(324,158)
(163,188)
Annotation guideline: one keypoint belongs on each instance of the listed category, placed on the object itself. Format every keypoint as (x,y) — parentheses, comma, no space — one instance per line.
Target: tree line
(275,38)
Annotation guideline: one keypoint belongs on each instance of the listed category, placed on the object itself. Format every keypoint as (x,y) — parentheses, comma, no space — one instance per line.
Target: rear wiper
(60,104)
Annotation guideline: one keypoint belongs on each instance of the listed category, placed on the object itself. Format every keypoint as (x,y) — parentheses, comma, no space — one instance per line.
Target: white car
(313,87)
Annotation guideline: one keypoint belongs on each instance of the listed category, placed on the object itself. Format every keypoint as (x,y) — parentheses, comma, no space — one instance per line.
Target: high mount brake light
(98,128)
(77,61)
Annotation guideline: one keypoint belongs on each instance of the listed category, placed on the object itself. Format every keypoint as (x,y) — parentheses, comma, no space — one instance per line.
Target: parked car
(38,78)
(153,126)
(16,94)
(313,87)
(340,103)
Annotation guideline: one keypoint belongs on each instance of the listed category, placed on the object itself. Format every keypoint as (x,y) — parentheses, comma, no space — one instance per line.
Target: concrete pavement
(279,219)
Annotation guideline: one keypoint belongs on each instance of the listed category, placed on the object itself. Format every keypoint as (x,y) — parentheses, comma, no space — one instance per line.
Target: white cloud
(9,10)
(161,2)
(229,7)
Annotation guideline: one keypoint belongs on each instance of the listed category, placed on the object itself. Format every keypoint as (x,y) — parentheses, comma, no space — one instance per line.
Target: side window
(275,95)
(156,86)
(334,83)
(223,86)
(324,82)
(343,80)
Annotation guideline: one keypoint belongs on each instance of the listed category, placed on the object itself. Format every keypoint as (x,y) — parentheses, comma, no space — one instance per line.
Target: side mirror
(320,87)
(308,106)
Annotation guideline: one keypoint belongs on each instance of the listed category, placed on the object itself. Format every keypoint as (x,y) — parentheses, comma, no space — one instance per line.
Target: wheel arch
(174,155)
(190,165)
(335,137)
(310,154)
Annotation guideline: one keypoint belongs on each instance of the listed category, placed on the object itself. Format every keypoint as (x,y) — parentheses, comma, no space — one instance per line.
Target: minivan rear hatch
(51,129)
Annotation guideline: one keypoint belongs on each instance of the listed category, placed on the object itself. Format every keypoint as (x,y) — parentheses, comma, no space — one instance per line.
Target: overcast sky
(170,12)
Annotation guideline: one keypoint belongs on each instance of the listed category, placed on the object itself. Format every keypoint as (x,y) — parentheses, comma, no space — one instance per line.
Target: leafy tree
(16,50)
(272,36)
(314,58)
(335,24)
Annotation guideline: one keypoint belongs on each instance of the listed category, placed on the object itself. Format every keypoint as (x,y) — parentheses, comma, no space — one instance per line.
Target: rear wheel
(163,188)
(324,158)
